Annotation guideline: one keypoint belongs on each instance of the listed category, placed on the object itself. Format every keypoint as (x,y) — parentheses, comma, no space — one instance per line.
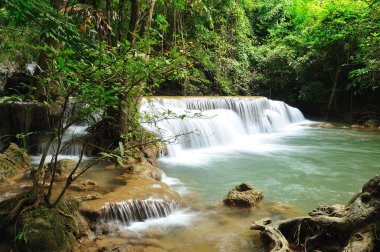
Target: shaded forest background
(321,55)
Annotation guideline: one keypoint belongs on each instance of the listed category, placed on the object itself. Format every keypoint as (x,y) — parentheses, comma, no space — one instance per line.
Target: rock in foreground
(350,228)
(244,195)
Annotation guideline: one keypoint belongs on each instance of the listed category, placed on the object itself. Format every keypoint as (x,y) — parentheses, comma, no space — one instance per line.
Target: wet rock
(147,170)
(151,153)
(244,195)
(357,126)
(87,197)
(13,163)
(64,168)
(324,126)
(86,185)
(372,124)
(81,224)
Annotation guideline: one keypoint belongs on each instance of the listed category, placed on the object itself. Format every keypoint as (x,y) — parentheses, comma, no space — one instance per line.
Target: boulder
(244,195)
(372,124)
(64,168)
(13,163)
(86,185)
(324,126)
(45,229)
(356,126)
(91,196)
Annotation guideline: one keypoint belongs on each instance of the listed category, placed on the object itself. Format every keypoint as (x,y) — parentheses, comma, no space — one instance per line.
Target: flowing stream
(214,144)
(266,143)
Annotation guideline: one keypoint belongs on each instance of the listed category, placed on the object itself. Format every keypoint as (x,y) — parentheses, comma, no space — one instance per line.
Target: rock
(324,126)
(87,197)
(352,227)
(46,229)
(356,126)
(86,185)
(13,163)
(81,224)
(372,124)
(244,195)
(64,168)
(151,153)
(55,108)
(20,83)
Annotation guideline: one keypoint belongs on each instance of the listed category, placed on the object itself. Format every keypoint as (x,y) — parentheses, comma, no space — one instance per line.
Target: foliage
(110,54)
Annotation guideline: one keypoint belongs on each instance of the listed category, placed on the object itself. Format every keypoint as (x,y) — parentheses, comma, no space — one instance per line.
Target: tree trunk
(351,228)
(333,92)
(133,21)
(121,19)
(148,21)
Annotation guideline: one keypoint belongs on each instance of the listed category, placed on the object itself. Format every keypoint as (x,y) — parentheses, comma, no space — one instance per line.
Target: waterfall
(72,138)
(205,122)
(72,146)
(125,212)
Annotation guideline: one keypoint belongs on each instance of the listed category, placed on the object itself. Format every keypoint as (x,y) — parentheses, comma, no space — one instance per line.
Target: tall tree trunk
(148,21)
(333,92)
(121,19)
(133,21)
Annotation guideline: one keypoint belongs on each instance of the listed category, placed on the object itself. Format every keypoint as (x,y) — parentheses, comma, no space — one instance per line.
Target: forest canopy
(323,55)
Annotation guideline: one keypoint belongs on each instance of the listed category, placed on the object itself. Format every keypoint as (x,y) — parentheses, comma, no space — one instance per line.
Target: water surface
(306,167)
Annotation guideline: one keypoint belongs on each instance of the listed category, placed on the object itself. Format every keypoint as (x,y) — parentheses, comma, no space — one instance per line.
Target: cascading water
(197,122)
(124,213)
(72,139)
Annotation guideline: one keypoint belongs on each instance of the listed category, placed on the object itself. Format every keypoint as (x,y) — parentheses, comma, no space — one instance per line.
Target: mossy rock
(46,229)
(13,162)
(5,207)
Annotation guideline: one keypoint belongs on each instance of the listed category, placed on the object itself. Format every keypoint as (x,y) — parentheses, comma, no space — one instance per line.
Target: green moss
(45,229)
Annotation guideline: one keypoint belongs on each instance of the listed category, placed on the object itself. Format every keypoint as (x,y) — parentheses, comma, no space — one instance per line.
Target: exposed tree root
(350,228)
(11,216)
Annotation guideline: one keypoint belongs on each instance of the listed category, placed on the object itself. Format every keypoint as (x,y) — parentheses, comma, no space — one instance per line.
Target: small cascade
(126,212)
(205,122)
(70,141)
(71,145)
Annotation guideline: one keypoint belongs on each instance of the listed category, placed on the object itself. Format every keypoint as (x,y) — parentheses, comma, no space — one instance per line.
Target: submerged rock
(244,195)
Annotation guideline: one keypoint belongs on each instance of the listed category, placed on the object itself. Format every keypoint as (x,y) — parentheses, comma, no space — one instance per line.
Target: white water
(123,214)
(72,139)
(214,123)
